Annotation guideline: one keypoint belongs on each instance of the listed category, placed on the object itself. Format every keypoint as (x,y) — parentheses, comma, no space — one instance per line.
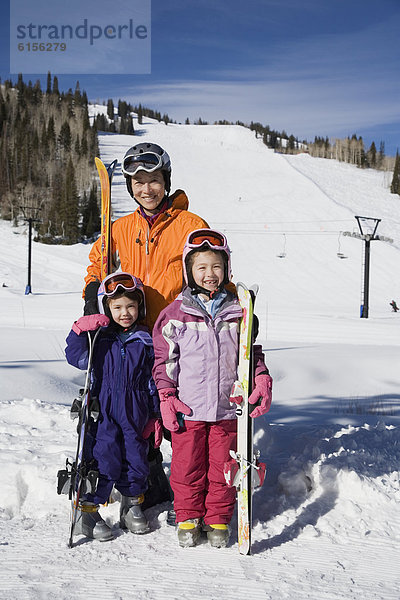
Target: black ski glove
(91,306)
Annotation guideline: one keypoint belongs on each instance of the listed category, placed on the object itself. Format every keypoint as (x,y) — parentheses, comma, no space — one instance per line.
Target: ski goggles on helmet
(124,280)
(214,239)
(148,161)
(121,282)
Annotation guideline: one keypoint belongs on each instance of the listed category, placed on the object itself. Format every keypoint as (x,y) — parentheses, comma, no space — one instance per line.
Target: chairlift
(339,253)
(283,253)
(47,235)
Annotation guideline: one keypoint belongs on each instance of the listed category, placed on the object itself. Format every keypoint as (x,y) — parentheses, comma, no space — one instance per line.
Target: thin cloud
(330,85)
(302,108)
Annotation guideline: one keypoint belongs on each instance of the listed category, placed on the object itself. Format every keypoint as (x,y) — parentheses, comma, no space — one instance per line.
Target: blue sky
(310,67)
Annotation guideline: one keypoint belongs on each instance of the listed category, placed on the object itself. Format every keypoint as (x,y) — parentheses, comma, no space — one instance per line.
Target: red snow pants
(199,451)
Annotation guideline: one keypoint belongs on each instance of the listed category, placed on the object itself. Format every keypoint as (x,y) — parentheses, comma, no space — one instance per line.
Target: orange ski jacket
(152,253)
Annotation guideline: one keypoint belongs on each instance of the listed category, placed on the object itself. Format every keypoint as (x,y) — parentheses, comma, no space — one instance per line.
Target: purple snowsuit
(122,381)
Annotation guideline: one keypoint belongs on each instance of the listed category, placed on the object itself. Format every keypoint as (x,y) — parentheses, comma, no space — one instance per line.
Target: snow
(327,521)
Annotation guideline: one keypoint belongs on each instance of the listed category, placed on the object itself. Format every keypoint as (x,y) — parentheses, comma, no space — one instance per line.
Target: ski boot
(90,523)
(131,515)
(217,535)
(171,517)
(189,533)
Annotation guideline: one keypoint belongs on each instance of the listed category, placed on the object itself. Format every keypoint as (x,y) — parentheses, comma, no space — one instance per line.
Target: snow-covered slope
(334,420)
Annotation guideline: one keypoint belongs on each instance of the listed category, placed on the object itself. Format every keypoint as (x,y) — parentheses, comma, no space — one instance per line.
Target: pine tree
(56,91)
(130,130)
(48,89)
(51,132)
(37,93)
(123,109)
(84,145)
(395,186)
(372,155)
(64,137)
(86,120)
(110,109)
(101,123)
(69,209)
(91,213)
(77,95)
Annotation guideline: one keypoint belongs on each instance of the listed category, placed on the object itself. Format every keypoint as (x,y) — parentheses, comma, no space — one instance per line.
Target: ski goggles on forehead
(148,161)
(214,239)
(127,282)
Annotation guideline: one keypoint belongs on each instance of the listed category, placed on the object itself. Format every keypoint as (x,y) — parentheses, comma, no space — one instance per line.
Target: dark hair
(135,295)
(189,260)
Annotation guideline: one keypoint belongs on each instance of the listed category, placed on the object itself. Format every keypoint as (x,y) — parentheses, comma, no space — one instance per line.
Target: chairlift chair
(283,253)
(339,253)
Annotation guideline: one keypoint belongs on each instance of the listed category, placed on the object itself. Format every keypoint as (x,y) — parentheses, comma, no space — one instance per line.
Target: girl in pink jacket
(196,355)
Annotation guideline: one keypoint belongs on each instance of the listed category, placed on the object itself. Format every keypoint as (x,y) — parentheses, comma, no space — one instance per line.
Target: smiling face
(208,269)
(149,190)
(124,311)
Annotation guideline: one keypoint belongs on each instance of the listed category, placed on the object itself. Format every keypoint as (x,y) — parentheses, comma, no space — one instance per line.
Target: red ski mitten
(170,405)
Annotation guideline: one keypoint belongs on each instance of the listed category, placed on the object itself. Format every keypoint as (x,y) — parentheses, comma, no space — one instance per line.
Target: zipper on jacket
(120,378)
(147,255)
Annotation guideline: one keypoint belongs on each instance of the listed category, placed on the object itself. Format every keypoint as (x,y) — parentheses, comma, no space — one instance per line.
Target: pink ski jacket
(198,355)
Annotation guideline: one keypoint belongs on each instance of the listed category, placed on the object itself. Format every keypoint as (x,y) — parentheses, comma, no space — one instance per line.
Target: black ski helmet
(147,157)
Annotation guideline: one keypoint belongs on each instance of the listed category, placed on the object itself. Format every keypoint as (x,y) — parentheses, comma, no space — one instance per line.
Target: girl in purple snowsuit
(129,405)
(196,356)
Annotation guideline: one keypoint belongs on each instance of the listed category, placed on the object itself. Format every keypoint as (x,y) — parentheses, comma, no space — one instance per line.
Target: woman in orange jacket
(150,241)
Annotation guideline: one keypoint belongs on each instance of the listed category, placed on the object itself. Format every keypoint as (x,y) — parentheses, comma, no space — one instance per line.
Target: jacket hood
(179,200)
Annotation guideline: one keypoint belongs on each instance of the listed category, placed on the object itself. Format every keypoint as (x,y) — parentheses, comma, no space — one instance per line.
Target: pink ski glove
(262,391)
(169,406)
(153,426)
(90,323)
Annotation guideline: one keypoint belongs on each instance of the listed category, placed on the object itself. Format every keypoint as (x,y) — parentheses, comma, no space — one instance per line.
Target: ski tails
(105,174)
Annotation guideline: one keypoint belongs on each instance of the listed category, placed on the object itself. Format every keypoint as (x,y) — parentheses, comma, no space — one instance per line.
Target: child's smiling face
(208,270)
(124,311)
